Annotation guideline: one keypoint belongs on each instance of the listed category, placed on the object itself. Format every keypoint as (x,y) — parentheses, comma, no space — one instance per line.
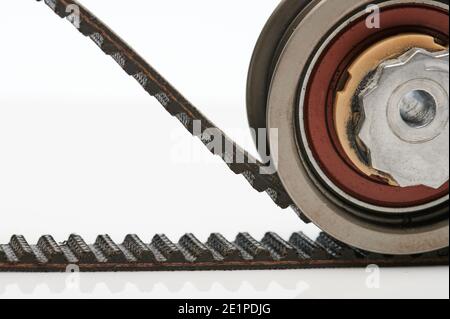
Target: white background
(84,149)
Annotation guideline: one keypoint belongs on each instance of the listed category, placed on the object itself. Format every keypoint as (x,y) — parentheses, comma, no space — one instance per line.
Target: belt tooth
(9,254)
(238,168)
(103,43)
(51,250)
(125,63)
(307,248)
(171,106)
(252,247)
(142,79)
(22,249)
(120,58)
(273,194)
(255,180)
(282,200)
(300,214)
(69,255)
(336,248)
(224,248)
(110,249)
(281,249)
(152,88)
(86,28)
(168,249)
(57,7)
(80,249)
(137,247)
(250,177)
(51,4)
(195,249)
(3,257)
(131,68)
(184,119)
(260,184)
(40,256)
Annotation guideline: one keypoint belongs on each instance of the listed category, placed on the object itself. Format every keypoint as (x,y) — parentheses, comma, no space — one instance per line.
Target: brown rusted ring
(325,80)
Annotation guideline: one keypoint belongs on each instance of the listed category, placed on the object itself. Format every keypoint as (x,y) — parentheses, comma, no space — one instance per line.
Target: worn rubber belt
(245,253)
(239,161)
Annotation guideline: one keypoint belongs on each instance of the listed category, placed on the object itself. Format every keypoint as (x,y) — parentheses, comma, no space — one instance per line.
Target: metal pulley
(359,96)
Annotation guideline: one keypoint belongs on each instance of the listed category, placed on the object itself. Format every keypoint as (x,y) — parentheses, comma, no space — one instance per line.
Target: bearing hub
(406,116)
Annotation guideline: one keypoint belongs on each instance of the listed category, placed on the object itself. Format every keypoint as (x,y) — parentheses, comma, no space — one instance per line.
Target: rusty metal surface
(189,253)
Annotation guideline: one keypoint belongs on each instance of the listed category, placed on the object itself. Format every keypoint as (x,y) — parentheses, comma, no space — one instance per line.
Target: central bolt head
(418,108)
